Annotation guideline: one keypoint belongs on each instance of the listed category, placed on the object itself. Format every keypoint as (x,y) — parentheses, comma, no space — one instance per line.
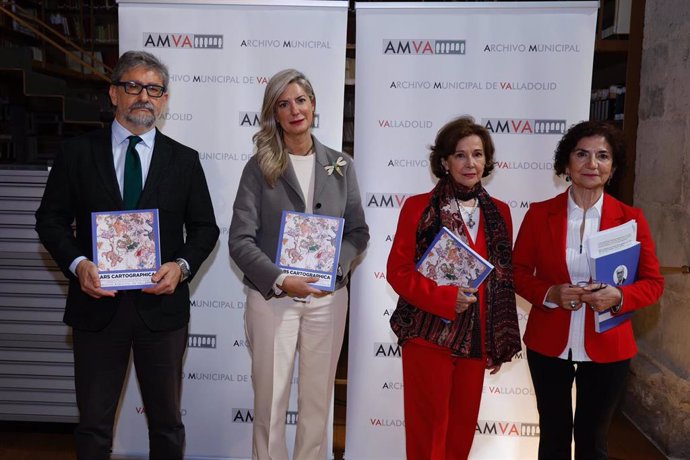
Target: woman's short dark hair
(609,131)
(447,139)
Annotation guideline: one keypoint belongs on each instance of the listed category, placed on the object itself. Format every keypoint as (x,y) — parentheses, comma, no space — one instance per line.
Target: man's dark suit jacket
(83,180)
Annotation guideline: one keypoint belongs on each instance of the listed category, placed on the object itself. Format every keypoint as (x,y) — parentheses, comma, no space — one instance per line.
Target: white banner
(524,71)
(221,55)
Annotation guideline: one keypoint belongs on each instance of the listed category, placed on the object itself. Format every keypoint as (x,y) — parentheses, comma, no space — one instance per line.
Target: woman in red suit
(562,345)
(449,334)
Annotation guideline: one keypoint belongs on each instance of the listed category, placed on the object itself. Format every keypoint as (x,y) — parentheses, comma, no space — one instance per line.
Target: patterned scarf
(463,335)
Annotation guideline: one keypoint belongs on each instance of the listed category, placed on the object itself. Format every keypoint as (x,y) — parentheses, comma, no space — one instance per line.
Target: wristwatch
(184,268)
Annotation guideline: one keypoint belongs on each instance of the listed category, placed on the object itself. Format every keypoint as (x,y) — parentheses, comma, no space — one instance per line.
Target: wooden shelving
(63,51)
(617,61)
(87,28)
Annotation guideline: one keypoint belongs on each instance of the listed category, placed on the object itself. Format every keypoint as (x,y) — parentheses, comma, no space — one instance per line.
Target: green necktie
(132,187)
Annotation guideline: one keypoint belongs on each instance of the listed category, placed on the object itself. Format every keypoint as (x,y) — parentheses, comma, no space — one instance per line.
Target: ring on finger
(573,304)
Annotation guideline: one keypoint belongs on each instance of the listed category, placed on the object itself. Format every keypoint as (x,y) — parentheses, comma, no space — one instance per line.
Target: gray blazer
(258,209)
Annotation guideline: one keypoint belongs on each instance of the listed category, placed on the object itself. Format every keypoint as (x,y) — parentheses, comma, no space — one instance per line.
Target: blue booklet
(126,248)
(309,245)
(616,269)
(450,261)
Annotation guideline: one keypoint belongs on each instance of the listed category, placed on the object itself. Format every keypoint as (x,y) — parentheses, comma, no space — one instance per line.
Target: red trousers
(442,395)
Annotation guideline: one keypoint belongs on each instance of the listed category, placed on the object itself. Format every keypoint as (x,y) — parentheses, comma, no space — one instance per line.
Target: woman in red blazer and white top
(549,262)
(449,334)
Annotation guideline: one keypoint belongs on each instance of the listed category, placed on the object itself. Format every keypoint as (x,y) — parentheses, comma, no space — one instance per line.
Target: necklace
(309,151)
(470,214)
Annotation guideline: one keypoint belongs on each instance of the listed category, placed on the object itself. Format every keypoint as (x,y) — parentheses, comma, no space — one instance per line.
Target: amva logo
(523,126)
(386,350)
(244,415)
(505,428)
(249,119)
(182,41)
(385,200)
(201,341)
(252,119)
(423,46)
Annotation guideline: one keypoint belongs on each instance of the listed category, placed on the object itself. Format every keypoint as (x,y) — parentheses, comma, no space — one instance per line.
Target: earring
(446,172)
(567,177)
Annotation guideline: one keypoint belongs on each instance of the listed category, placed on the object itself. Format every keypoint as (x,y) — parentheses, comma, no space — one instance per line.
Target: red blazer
(401,272)
(539,262)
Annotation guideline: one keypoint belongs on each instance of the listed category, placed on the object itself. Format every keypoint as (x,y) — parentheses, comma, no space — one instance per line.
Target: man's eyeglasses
(134,88)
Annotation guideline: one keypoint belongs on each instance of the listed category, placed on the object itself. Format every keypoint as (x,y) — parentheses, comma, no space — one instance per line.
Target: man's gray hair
(133,59)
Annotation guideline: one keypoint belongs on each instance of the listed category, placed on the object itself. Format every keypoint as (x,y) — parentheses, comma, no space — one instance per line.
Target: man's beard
(141,119)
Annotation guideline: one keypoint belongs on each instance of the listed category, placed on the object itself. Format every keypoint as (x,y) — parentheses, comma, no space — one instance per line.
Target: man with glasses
(129,165)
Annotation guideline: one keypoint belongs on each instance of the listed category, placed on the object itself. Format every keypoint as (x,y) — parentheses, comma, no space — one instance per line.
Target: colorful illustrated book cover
(450,261)
(126,247)
(309,245)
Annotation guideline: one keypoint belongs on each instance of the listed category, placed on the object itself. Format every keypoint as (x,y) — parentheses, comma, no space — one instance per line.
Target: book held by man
(309,245)
(613,258)
(450,261)
(126,248)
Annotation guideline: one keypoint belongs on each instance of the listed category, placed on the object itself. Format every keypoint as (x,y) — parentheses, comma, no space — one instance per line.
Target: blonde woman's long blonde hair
(270,150)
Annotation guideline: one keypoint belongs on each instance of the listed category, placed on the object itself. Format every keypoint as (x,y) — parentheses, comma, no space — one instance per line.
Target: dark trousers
(100,364)
(599,388)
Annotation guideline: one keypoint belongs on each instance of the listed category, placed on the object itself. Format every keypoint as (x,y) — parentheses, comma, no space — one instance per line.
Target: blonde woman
(293,171)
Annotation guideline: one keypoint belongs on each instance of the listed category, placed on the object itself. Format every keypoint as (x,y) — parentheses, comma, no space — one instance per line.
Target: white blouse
(578,267)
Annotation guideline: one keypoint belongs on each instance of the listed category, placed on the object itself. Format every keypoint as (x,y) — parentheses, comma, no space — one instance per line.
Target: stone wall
(658,396)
